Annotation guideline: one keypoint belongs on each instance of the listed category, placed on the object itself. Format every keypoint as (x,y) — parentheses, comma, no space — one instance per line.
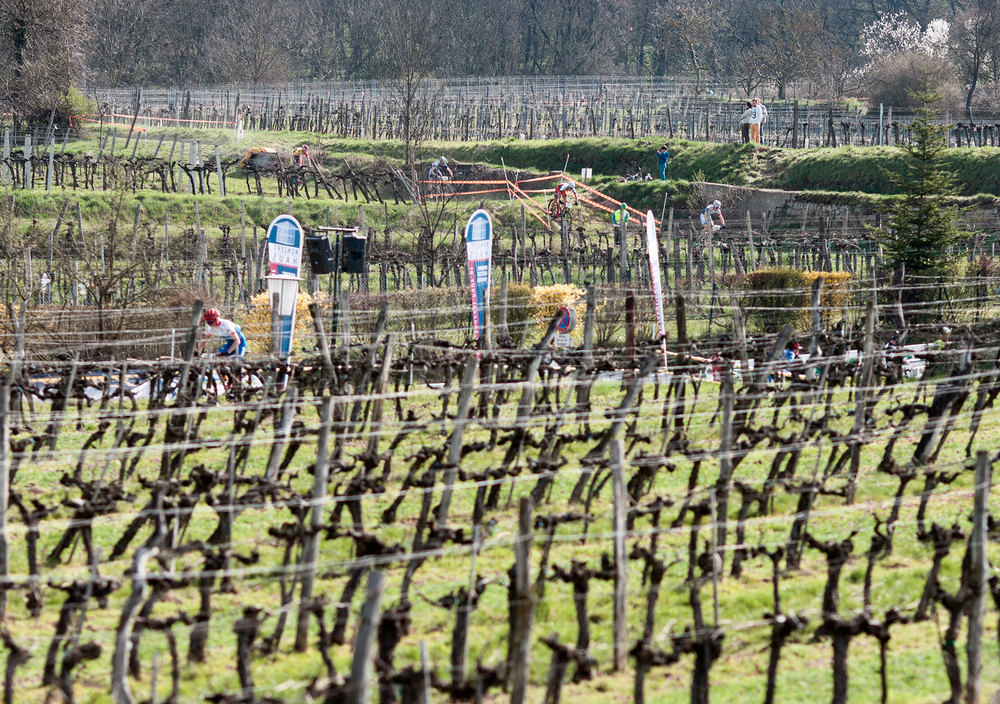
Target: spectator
(663,155)
(745,123)
(301,155)
(619,219)
(757,115)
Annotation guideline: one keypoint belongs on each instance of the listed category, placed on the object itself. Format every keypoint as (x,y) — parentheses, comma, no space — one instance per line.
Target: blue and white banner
(653,252)
(284,255)
(479,251)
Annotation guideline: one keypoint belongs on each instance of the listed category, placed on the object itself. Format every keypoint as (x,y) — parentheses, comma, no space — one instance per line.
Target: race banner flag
(284,257)
(479,251)
(653,251)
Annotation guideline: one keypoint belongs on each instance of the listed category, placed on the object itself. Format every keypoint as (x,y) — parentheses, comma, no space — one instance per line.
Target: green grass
(915,670)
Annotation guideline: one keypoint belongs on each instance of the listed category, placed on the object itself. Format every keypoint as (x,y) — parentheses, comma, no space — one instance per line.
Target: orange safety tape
(639,213)
(530,204)
(531,209)
(465,193)
(539,178)
(108,124)
(597,205)
(154,117)
(463,183)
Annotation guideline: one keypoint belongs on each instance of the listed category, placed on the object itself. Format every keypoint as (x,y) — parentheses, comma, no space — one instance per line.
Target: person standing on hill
(757,116)
(745,123)
(663,155)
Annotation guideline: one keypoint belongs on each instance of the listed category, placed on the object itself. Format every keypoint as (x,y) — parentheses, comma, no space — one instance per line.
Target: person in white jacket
(756,115)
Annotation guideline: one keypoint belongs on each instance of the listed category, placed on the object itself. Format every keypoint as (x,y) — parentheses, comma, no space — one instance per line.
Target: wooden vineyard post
(310,549)
(675,235)
(455,448)
(519,648)
(120,692)
(425,669)
(218,171)
(4,491)
(979,577)
(795,124)
(49,171)
(564,252)
(587,357)
(202,254)
(27,161)
(361,666)
(725,456)
(859,409)
(620,510)
(379,403)
(463,612)
(817,318)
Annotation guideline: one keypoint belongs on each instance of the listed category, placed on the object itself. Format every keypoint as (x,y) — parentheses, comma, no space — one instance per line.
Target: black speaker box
(321,259)
(355,254)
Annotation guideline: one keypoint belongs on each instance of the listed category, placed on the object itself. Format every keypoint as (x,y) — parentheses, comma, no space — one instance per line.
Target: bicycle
(556,208)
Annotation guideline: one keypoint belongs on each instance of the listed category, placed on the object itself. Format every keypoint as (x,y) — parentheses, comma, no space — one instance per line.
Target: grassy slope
(737,677)
(846,175)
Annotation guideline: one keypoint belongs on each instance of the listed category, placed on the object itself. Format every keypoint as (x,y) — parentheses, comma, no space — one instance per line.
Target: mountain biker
(713,208)
(562,192)
(217,326)
(440,171)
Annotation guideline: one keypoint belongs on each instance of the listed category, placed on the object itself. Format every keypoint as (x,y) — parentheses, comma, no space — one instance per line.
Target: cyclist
(562,193)
(713,208)
(217,326)
(440,171)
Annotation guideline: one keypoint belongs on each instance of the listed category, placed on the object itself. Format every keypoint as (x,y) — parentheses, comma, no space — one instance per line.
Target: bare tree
(409,42)
(41,49)
(694,23)
(790,40)
(973,43)
(120,41)
(254,40)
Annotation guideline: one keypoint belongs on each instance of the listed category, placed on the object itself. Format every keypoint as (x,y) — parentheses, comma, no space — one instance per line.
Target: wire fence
(476,109)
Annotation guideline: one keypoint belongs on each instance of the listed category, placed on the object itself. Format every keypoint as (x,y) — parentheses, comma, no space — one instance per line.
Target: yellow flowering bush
(547,300)
(256,323)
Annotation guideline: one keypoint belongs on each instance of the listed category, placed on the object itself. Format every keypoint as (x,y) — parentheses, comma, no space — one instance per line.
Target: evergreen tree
(922,222)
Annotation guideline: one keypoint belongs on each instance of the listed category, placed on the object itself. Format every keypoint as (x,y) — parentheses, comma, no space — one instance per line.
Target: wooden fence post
(310,549)
(620,628)
(4,490)
(123,637)
(979,577)
(361,666)
(455,448)
(218,171)
(867,365)
(725,456)
(519,649)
